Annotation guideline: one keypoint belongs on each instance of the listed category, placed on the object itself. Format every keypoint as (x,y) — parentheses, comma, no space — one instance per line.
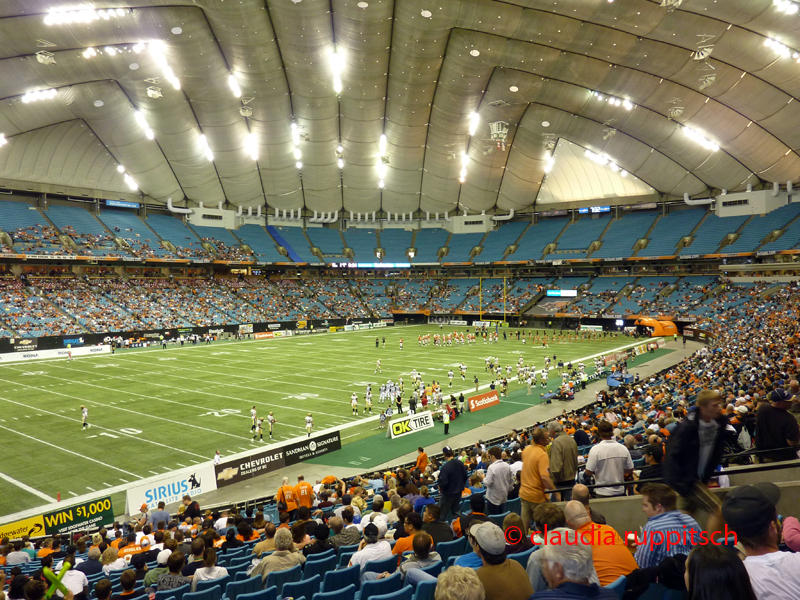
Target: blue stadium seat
(618,586)
(522,557)
(319,567)
(514,506)
(347,593)
(344,559)
(379,566)
(341,578)
(213,593)
(455,548)
(435,569)
(278,578)
(498,519)
(222,582)
(270,593)
(177,592)
(306,587)
(426,590)
(248,586)
(379,587)
(406,593)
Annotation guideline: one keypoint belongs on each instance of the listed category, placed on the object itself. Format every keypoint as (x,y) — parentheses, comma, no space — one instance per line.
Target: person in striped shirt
(668,531)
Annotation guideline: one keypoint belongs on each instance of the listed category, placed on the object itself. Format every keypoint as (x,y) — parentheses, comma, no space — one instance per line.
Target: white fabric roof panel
(411,74)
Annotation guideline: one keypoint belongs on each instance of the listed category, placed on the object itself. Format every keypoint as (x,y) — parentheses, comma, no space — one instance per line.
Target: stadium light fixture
(131,183)
(148,132)
(157,52)
(700,139)
(337,66)
(206,148)
(234,85)
(340,162)
(613,101)
(549,163)
(787,7)
(85,15)
(39,95)
(120,169)
(604,160)
(382,145)
(251,145)
(3,140)
(474,121)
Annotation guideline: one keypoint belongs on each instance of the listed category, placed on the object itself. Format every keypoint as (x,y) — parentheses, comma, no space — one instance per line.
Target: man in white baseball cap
(502,579)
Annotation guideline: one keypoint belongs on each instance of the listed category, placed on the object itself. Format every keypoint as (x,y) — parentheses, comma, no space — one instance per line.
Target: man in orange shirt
(610,556)
(304,492)
(287,496)
(412,525)
(422,460)
(131,547)
(47,548)
(534,475)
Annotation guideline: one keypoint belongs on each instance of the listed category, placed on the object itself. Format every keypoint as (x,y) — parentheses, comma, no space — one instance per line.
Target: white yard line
(27,488)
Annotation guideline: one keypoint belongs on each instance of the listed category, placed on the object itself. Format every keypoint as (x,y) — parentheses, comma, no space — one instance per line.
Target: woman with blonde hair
(111,561)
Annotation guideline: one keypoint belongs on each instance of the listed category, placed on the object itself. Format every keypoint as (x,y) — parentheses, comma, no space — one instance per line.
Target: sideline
(124,487)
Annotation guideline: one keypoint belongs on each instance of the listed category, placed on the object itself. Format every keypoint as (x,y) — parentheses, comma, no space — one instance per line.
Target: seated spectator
(653,455)
(173,579)
(502,579)
(714,572)
(321,543)
(103,589)
(300,538)
(139,565)
(376,516)
(128,582)
(423,557)
(268,543)
(424,500)
(347,502)
(76,582)
(568,568)
(151,578)
(437,529)
(581,493)
(610,556)
(111,561)
(660,504)
(458,583)
(231,542)
(92,564)
(209,570)
(412,525)
(477,503)
(284,557)
(514,529)
(345,533)
(196,559)
(18,556)
(371,548)
(751,511)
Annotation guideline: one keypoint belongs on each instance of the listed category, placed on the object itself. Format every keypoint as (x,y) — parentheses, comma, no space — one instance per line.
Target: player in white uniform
(354,403)
(85,417)
(378,366)
(450,377)
(368,400)
(382,396)
(309,424)
(463,372)
(69,352)
(253,416)
(508,371)
(271,422)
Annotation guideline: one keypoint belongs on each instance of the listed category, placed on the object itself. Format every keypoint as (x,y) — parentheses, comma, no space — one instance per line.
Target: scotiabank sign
(264,335)
(482,401)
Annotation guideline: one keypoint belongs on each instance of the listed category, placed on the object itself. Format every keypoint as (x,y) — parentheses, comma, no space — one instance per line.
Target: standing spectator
(498,481)
(664,522)
(563,459)
(751,511)
(159,516)
(776,428)
(422,459)
(77,583)
(287,499)
(452,480)
(693,453)
(608,462)
(535,475)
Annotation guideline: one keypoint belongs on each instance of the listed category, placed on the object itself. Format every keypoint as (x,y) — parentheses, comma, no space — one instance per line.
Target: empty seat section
(28,229)
(601,294)
(643,294)
(411,296)
(536,238)
(518,295)
(374,295)
(337,296)
(127,226)
(761,226)
(489,289)
(428,242)
(295,242)
(363,242)
(90,235)
(497,240)
(260,243)
(789,239)
(576,239)
(461,245)
(395,242)
(711,233)
(623,233)
(328,241)
(177,233)
(687,295)
(669,230)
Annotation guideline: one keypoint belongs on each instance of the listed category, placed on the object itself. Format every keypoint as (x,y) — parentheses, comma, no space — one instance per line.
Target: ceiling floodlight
(700,139)
(475,52)
(382,145)
(381,184)
(251,145)
(3,140)
(206,148)
(464,160)
(157,52)
(39,95)
(295,134)
(297,154)
(89,53)
(787,7)
(549,163)
(382,170)
(120,168)
(339,149)
(337,66)
(298,164)
(513,89)
(426,13)
(138,48)
(234,85)
(131,183)
(340,162)
(85,15)
(474,121)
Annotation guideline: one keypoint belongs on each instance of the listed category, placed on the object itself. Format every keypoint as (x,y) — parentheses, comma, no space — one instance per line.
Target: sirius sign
(173,488)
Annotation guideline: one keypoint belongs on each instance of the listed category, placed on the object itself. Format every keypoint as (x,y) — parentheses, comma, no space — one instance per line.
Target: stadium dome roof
(196,101)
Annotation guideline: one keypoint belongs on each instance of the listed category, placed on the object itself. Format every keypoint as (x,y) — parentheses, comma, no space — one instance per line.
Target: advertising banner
(410,424)
(264,335)
(172,488)
(312,447)
(33,526)
(234,471)
(61,353)
(89,515)
(482,401)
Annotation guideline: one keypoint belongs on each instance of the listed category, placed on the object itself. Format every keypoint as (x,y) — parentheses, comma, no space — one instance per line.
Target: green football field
(153,411)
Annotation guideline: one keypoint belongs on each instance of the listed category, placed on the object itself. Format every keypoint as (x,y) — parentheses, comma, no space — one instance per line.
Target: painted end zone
(482,401)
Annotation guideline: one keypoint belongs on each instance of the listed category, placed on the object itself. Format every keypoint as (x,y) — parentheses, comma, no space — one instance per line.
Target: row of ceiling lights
(66,17)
